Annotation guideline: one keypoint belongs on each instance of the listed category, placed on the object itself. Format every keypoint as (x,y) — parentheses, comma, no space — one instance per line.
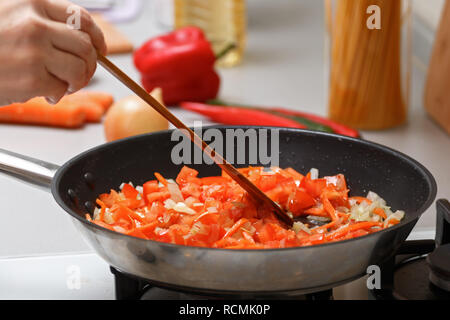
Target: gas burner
(421,269)
(129,287)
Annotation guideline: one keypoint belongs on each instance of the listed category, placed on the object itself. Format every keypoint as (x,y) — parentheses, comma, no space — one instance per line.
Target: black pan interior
(403,182)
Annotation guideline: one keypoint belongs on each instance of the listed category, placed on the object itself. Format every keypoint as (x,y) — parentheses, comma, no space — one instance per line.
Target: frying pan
(401,181)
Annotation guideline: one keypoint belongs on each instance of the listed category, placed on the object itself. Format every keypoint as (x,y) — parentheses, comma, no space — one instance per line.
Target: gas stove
(419,271)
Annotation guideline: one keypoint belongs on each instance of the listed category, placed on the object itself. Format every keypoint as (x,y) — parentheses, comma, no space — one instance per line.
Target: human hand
(40,55)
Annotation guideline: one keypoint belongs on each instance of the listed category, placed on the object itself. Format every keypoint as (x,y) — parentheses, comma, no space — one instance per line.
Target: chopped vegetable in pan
(216,212)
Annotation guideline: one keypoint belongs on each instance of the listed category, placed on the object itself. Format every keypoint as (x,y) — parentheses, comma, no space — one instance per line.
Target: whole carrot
(103,99)
(38,111)
(94,111)
(95,104)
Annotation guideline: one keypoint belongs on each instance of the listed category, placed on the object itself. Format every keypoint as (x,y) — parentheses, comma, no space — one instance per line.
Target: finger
(62,10)
(75,42)
(68,68)
(55,89)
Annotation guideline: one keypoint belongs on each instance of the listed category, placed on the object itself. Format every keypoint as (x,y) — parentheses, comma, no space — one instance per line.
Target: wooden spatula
(246,184)
(437,91)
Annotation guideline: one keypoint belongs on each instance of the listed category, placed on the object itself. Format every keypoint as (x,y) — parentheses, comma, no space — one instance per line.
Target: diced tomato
(313,187)
(208,218)
(150,187)
(300,201)
(129,191)
(109,199)
(191,189)
(266,233)
(213,180)
(268,182)
(187,175)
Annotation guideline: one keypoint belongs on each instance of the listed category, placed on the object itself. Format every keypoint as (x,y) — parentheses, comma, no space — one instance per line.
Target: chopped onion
(300,226)
(175,192)
(96,213)
(140,189)
(178,207)
(169,204)
(181,207)
(332,180)
(108,217)
(124,183)
(198,204)
(166,217)
(317,218)
(314,174)
(212,210)
(161,231)
(198,227)
(398,215)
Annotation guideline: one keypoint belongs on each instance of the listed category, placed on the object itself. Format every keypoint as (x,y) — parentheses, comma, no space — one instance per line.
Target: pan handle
(36,172)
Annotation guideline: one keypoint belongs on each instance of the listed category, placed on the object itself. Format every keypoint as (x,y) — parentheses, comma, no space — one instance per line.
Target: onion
(180,207)
(300,226)
(314,174)
(183,208)
(175,192)
(140,189)
(96,213)
(318,218)
(398,215)
(169,204)
(199,228)
(132,116)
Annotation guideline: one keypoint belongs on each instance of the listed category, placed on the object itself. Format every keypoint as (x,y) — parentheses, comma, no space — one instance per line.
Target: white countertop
(283,67)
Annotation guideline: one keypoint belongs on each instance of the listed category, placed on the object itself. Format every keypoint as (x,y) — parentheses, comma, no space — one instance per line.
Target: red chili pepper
(334,126)
(181,63)
(337,127)
(240,116)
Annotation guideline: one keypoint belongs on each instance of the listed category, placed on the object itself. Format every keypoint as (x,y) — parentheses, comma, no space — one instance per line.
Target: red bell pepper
(181,63)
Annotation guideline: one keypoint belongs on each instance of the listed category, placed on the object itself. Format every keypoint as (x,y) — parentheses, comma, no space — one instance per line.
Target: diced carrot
(360,199)
(329,208)
(380,212)
(161,179)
